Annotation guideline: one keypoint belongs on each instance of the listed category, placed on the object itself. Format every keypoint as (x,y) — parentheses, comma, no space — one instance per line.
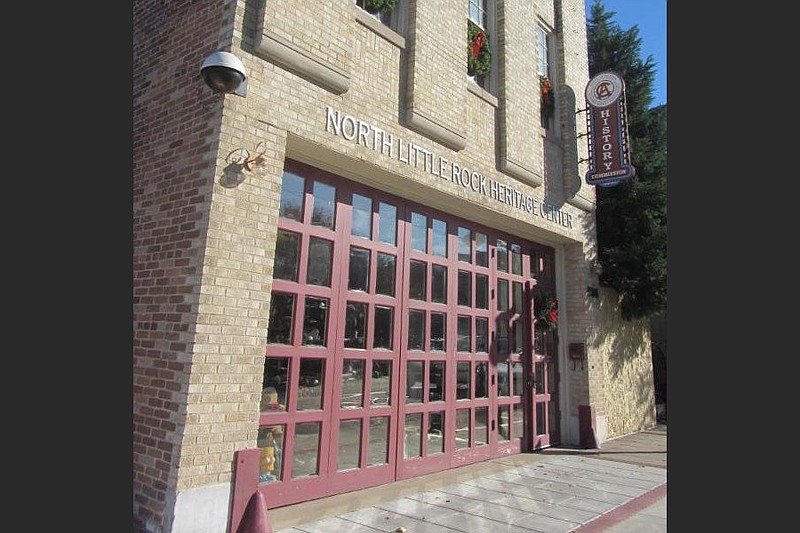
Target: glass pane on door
(387,266)
(436,432)
(518,428)
(503,423)
(502,379)
(436,388)
(352,384)
(416,329)
(324,205)
(462,429)
(361,225)
(358,278)
(315,321)
(439,230)
(306,449)
(292,189)
(320,255)
(270,440)
(309,391)
(349,444)
(281,318)
(518,379)
(481,380)
(381,383)
(387,223)
(287,253)
(414,378)
(273,390)
(355,325)
(481,426)
(463,380)
(384,328)
(412,444)
(378,452)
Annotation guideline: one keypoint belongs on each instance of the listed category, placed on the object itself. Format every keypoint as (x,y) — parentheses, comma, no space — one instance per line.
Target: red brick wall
(173,133)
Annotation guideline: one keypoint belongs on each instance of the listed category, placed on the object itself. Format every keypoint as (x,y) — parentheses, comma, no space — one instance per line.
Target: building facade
(377,260)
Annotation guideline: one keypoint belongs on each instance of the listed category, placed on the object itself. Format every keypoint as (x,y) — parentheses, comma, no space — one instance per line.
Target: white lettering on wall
(374,138)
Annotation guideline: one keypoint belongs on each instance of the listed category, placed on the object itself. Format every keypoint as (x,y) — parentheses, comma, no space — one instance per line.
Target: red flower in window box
(479,57)
(548,99)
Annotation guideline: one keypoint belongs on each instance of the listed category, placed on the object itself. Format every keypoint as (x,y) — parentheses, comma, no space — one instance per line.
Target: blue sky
(650,16)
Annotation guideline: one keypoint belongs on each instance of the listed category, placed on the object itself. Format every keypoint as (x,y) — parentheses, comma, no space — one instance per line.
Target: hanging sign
(606,122)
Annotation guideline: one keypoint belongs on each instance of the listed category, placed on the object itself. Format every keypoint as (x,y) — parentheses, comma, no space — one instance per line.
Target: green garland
(477,65)
(381,5)
(546,311)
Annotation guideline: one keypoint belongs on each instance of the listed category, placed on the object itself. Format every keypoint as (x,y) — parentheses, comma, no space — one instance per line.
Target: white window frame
(543,51)
(545,66)
(476,11)
(482,13)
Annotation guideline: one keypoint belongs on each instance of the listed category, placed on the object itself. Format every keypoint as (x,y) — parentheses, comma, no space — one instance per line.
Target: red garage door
(401,341)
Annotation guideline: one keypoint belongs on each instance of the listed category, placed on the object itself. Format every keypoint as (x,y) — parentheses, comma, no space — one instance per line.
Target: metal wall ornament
(240,161)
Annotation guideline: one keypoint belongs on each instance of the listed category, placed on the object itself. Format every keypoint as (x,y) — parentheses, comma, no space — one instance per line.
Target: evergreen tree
(632,215)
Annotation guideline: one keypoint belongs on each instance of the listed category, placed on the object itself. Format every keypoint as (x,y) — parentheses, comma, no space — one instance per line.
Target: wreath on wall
(548,100)
(546,308)
(380,5)
(479,56)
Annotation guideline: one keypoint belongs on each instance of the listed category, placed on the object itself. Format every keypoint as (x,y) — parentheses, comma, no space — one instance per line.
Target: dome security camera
(224,73)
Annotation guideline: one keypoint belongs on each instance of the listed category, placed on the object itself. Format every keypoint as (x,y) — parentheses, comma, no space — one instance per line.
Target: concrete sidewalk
(647,513)
(620,488)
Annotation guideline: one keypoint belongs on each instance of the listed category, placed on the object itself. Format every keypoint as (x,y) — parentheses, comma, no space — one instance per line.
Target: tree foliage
(632,215)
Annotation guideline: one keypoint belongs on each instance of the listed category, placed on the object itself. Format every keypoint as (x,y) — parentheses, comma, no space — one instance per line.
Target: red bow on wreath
(547,90)
(477,43)
(547,312)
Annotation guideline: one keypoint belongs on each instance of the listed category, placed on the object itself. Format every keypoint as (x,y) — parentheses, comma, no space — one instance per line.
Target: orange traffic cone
(255,518)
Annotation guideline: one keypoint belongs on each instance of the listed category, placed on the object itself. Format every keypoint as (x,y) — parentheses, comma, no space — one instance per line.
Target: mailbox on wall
(577,352)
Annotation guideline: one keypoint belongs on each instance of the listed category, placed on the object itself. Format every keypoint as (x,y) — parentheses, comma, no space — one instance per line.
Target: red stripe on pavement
(626,510)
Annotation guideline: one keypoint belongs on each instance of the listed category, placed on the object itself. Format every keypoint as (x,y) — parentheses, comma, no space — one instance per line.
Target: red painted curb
(626,510)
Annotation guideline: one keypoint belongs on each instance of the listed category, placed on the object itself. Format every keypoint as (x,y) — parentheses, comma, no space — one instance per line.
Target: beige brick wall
(624,356)
(581,316)
(518,109)
(436,89)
